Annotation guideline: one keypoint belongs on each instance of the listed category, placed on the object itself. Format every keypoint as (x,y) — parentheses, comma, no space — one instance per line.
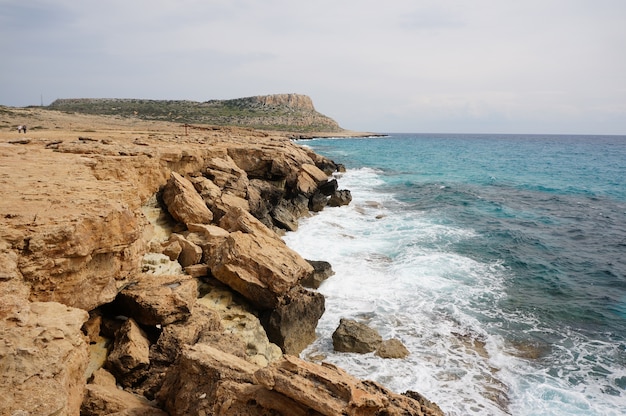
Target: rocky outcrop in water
(153,262)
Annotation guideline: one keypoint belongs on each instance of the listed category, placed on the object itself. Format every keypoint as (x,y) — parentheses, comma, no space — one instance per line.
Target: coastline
(74,255)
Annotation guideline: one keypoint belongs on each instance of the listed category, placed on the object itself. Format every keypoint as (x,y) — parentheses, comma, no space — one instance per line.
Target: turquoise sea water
(498,260)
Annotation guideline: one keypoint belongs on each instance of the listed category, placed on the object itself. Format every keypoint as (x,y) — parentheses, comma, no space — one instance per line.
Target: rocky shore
(142,272)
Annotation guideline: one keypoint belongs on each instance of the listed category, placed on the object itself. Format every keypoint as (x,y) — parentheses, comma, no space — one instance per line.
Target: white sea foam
(395,272)
(390,274)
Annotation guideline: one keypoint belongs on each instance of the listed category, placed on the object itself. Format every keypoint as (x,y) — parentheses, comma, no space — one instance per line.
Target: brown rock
(392,348)
(352,336)
(291,325)
(192,383)
(129,358)
(190,253)
(331,391)
(260,268)
(339,198)
(103,397)
(159,299)
(227,176)
(322,270)
(184,203)
(315,173)
(43,357)
(172,250)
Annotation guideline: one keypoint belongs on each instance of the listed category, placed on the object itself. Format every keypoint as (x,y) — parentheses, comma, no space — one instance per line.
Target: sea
(499,261)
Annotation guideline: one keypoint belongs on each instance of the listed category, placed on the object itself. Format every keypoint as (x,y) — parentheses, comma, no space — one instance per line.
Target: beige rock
(191,385)
(184,203)
(238,319)
(172,250)
(103,397)
(259,268)
(159,299)
(129,357)
(190,253)
(43,357)
(331,391)
(227,176)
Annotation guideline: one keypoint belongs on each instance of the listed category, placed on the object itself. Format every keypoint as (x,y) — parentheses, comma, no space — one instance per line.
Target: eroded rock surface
(80,235)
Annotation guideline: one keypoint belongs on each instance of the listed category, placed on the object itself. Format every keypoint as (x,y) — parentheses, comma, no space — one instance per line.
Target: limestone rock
(129,357)
(291,325)
(322,270)
(191,385)
(43,357)
(258,266)
(392,348)
(237,319)
(314,172)
(352,336)
(224,173)
(190,253)
(159,299)
(184,203)
(329,390)
(339,198)
(103,397)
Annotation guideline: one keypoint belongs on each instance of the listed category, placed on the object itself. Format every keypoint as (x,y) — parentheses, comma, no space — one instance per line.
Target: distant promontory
(279,112)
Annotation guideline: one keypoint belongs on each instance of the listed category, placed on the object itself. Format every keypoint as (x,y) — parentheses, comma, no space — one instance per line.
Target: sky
(440,66)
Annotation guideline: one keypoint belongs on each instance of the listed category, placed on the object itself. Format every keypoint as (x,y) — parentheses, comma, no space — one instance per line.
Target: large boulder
(227,176)
(328,390)
(291,325)
(184,203)
(43,357)
(191,385)
(353,336)
(255,262)
(158,299)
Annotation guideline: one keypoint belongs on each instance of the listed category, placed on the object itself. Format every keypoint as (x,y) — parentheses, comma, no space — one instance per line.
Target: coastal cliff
(142,272)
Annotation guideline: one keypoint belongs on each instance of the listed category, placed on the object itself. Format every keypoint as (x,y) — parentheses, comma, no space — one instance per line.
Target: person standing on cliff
(21,128)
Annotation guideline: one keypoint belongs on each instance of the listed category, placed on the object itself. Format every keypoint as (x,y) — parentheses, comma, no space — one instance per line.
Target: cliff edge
(142,272)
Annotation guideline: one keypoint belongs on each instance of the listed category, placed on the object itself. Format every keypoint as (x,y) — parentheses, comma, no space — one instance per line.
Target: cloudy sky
(480,66)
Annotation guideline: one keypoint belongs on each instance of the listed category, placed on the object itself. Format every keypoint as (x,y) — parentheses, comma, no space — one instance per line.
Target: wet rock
(392,348)
(322,270)
(318,202)
(353,336)
(340,198)
(328,188)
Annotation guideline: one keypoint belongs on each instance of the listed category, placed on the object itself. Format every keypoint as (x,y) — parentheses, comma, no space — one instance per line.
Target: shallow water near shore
(499,261)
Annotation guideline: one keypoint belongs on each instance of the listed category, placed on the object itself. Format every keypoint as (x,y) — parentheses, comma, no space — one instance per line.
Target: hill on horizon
(282,112)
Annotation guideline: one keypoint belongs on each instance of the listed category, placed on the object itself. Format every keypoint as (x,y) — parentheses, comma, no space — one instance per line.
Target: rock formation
(165,251)
(353,336)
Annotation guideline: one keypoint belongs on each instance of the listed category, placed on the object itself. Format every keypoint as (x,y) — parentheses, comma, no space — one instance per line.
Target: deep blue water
(517,242)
